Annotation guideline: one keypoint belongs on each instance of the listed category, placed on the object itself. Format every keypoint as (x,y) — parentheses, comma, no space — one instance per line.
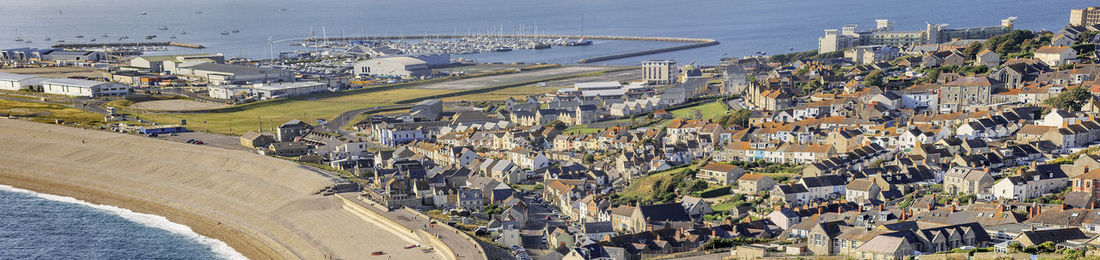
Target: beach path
(262,207)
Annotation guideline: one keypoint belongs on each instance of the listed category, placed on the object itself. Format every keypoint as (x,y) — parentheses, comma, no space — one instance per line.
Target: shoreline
(218,247)
(262,207)
(244,245)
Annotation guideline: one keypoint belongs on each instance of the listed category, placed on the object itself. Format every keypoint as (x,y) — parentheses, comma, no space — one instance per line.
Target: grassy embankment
(239,119)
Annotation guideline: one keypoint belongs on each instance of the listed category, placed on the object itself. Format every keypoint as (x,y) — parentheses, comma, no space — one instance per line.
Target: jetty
(126,45)
(691,43)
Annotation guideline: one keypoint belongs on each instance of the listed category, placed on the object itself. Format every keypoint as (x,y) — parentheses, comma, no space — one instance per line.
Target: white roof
(597,85)
(76,82)
(402,60)
(286,85)
(17,77)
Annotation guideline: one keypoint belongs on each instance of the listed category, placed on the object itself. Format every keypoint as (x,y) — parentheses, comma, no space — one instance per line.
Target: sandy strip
(262,207)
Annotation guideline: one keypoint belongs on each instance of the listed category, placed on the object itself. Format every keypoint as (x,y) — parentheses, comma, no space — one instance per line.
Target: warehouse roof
(76,82)
(229,68)
(173,57)
(16,77)
(403,60)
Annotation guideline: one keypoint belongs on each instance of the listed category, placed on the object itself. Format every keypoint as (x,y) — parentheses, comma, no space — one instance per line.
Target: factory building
(403,67)
(171,63)
(16,82)
(35,54)
(222,74)
(263,91)
(884,34)
(83,88)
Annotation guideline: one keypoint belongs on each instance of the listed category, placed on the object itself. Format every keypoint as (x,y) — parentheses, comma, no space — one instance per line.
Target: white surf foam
(217,246)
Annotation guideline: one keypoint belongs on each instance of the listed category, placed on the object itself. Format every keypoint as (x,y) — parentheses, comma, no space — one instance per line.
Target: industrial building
(35,54)
(171,63)
(16,82)
(83,88)
(1084,17)
(401,67)
(261,91)
(659,71)
(606,90)
(222,74)
(884,34)
(427,110)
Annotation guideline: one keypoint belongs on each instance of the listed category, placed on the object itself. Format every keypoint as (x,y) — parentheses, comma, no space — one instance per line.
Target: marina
(476,43)
(126,45)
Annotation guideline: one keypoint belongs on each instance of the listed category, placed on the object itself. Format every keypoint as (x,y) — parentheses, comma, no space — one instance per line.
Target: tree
(875,78)
(1071,100)
(739,117)
(557,125)
(972,51)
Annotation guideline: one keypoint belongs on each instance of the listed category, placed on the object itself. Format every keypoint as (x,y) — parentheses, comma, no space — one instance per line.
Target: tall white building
(659,71)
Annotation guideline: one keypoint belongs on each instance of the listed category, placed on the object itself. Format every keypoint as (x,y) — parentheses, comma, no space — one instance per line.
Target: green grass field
(238,122)
(47,113)
(710,110)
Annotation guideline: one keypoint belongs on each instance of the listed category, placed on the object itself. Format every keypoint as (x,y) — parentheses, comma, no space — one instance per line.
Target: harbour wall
(692,43)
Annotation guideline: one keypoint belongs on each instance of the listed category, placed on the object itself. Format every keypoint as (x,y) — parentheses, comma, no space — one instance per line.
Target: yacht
(18,39)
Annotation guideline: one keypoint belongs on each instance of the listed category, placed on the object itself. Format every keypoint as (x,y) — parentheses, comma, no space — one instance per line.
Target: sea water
(43,226)
(743,27)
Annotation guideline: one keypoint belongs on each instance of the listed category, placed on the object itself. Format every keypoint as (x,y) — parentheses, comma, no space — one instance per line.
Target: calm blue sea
(743,26)
(41,226)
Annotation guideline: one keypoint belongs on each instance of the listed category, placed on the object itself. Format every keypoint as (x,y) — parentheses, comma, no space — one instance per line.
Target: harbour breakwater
(126,45)
(691,42)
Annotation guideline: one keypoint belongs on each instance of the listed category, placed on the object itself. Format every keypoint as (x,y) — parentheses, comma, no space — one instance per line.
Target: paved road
(458,242)
(210,139)
(512,78)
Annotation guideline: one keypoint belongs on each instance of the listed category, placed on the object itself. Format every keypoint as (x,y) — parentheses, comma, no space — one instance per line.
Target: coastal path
(462,245)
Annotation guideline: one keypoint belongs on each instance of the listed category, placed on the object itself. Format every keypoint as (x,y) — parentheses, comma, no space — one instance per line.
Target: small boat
(105,36)
(282,9)
(198,12)
(123,37)
(144,13)
(539,46)
(183,33)
(162,28)
(172,37)
(80,36)
(93,39)
(225,33)
(236,31)
(60,41)
(412,246)
(47,39)
(18,39)
(28,41)
(150,37)
(502,49)
(377,253)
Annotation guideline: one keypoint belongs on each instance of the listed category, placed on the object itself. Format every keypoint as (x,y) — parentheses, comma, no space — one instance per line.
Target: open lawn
(42,112)
(519,93)
(710,110)
(276,113)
